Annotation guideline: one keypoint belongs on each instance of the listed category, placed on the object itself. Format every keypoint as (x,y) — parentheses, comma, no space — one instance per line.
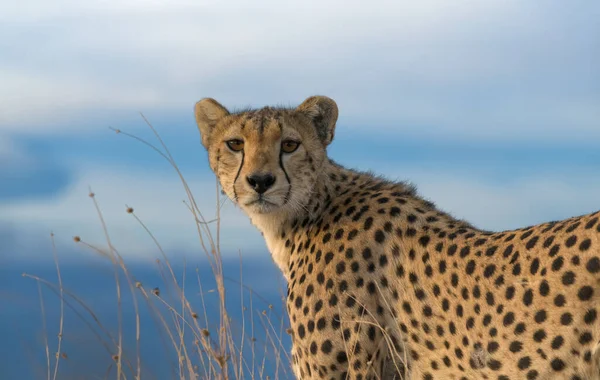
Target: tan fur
(382,284)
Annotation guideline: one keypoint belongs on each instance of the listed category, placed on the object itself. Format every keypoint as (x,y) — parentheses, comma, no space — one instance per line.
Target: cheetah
(382,284)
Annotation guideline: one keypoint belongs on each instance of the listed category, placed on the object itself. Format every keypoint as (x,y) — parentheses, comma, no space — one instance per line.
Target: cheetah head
(268,160)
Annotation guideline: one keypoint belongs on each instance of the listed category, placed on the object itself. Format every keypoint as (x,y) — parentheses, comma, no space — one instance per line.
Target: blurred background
(491,108)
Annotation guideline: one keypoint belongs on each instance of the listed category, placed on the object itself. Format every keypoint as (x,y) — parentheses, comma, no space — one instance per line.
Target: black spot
(510,292)
(342,357)
(585,338)
(524,363)
(454,280)
(301,331)
(494,364)
(520,328)
(366,253)
(557,263)
(557,342)
(442,267)
(539,335)
(535,265)
(379,236)
(590,316)
(544,288)
(479,242)
(585,293)
(528,297)
(557,364)
(321,324)
(470,267)
(508,251)
(509,318)
(568,278)
(489,271)
(593,265)
(492,347)
(383,261)
(585,245)
(540,316)
(328,257)
(515,346)
(566,319)
(491,250)
(531,243)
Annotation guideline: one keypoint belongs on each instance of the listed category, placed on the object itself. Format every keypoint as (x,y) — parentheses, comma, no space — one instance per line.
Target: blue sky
(491,108)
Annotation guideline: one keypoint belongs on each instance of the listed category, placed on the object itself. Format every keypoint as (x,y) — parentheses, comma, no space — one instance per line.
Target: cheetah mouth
(262,204)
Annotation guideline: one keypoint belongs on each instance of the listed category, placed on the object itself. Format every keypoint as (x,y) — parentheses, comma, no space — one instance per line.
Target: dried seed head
(117,131)
(115,357)
(156,291)
(91,195)
(222,361)
(205,332)
(77,239)
(138,284)
(271,307)
(264,312)
(253,339)
(64,355)
(194,315)
(289,331)
(130,210)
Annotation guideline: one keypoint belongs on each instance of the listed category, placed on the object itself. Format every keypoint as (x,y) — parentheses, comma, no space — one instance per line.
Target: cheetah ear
(323,112)
(208,113)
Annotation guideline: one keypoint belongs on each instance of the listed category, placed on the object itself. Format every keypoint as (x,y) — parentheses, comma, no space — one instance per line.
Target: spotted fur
(382,284)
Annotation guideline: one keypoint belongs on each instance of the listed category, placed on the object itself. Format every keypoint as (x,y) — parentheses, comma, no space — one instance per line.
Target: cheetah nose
(261,182)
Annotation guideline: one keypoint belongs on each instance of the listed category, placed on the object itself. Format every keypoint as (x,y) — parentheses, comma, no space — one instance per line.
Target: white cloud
(494,69)
(157,200)
(504,206)
(12,156)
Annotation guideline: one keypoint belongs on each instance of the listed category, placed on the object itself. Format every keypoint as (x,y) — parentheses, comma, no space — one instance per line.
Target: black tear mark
(287,178)
(235,196)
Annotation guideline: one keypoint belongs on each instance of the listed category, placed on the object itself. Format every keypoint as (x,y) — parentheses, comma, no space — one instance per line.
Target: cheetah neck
(275,226)
(334,182)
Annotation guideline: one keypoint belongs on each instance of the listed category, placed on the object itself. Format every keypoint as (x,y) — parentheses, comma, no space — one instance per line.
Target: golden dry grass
(203,349)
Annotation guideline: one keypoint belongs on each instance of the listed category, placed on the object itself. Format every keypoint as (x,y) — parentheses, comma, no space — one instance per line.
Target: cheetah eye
(289,146)
(235,145)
